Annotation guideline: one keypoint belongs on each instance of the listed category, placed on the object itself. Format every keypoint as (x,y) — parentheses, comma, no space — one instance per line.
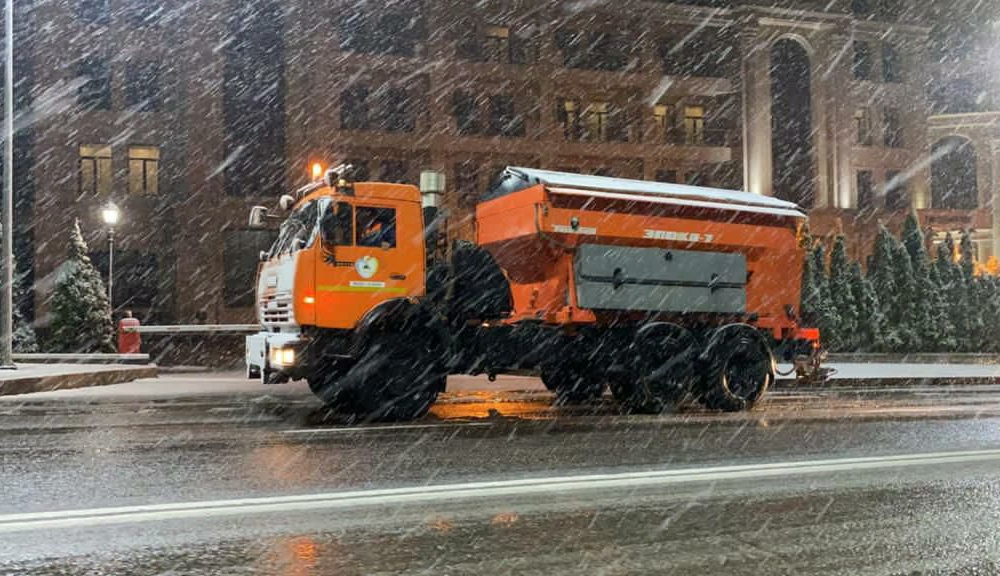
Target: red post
(129,340)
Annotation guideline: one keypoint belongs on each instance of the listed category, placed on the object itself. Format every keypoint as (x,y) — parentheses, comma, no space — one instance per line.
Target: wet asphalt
(229,454)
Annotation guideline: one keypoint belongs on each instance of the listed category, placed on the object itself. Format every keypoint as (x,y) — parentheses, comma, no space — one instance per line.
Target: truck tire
(737,367)
(401,365)
(660,369)
(572,384)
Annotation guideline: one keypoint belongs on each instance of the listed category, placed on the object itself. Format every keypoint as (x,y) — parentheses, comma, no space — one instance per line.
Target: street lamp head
(110,214)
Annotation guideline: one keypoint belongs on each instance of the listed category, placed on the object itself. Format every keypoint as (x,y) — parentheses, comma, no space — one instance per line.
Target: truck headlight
(282,356)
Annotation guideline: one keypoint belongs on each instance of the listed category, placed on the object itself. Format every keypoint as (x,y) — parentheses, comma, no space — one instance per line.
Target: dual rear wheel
(666,364)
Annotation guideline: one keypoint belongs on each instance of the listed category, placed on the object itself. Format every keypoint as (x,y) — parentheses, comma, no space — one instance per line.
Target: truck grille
(276,309)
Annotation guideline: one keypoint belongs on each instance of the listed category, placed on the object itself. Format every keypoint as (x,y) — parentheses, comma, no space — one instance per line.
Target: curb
(46,383)
(791,384)
(915,358)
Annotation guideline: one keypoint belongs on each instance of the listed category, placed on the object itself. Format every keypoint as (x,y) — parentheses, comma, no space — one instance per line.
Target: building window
(393,171)
(396,111)
(568,114)
(597,121)
(694,125)
(954,181)
(142,86)
(892,64)
(496,44)
(394,32)
(892,128)
(897,198)
(465,109)
(93,11)
(862,68)
(143,170)
(704,53)
(95,170)
(354,108)
(504,120)
(862,127)
(359,168)
(665,121)
(95,91)
(668,176)
(594,51)
(240,258)
(866,190)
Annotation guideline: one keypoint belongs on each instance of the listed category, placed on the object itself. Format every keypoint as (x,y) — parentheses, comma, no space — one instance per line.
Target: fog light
(282,356)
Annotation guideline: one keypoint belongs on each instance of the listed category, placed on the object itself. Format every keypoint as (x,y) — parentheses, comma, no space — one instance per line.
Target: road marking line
(383,428)
(23,522)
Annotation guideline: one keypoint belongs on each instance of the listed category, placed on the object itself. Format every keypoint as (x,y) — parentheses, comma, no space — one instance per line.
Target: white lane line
(471,490)
(349,429)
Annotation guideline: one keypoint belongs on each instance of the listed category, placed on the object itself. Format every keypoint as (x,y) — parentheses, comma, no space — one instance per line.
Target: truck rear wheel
(660,369)
(738,368)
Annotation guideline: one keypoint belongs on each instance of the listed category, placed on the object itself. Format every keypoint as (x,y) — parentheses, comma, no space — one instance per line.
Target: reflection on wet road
(842,481)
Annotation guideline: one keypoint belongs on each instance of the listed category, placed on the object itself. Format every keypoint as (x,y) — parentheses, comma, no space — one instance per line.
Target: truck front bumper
(276,357)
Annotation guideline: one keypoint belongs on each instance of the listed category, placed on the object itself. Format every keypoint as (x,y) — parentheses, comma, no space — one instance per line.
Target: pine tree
(842,298)
(870,319)
(882,276)
(81,313)
(968,261)
(954,292)
(940,312)
(925,292)
(904,309)
(24,331)
(822,312)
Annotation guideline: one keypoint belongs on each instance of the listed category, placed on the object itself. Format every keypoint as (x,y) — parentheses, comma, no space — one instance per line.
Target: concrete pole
(7,276)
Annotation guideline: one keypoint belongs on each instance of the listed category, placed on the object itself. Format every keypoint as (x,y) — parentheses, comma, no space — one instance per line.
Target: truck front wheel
(397,377)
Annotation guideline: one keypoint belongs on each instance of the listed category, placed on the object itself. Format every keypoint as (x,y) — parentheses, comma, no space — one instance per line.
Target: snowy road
(210,474)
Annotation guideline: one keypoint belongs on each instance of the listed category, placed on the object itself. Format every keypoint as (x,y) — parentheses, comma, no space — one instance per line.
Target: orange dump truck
(659,292)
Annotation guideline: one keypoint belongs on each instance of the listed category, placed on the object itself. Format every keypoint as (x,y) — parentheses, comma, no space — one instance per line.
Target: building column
(840,122)
(756,85)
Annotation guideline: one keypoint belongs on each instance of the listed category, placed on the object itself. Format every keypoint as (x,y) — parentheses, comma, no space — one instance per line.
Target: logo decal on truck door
(366,266)
(678,236)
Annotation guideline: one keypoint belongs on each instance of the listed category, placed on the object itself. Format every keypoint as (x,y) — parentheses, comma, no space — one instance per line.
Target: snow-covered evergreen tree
(842,299)
(965,250)
(940,313)
(821,312)
(882,275)
(871,321)
(925,292)
(903,310)
(81,313)
(24,331)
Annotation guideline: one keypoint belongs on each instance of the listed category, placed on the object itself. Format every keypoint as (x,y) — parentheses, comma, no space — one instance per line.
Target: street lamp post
(7,275)
(110,215)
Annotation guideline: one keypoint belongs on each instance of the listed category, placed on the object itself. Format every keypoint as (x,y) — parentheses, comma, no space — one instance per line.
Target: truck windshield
(298,231)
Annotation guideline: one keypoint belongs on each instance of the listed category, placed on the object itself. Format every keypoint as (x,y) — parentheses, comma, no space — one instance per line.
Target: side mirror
(258,217)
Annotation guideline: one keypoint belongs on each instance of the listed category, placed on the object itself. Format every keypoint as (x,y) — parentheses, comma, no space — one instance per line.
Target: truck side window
(376,227)
(338,225)
(344,219)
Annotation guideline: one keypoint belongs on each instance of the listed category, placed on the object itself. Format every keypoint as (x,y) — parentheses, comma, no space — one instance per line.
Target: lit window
(597,121)
(694,124)
(95,170)
(143,170)
(569,119)
(497,47)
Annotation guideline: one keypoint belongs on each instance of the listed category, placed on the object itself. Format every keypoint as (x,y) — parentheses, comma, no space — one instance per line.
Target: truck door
(363,263)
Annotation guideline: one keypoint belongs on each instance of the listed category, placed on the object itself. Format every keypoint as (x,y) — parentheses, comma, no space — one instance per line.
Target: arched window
(953,174)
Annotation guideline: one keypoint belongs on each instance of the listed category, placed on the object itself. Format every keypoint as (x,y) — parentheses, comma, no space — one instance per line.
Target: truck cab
(342,250)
